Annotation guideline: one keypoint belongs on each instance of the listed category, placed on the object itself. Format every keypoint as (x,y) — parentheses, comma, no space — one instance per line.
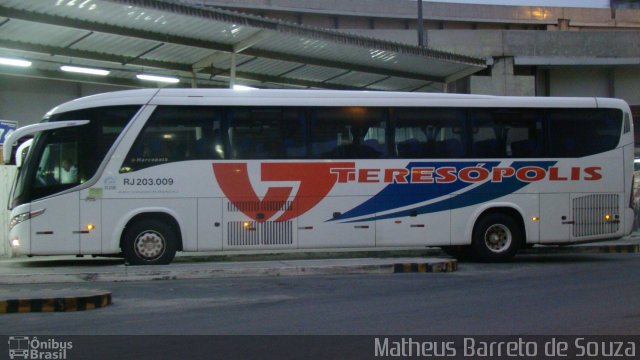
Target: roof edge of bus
(360,94)
(145,96)
(301,97)
(119,97)
(603,102)
(307,93)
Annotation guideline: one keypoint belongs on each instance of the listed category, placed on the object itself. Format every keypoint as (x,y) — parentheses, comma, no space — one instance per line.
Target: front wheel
(496,237)
(149,242)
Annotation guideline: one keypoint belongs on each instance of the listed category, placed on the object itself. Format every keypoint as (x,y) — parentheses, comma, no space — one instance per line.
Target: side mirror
(22,151)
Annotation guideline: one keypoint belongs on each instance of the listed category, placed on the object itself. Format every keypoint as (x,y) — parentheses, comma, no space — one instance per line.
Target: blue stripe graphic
(402,195)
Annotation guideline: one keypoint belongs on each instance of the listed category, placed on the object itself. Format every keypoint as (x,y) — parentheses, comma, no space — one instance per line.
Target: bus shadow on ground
(72,262)
(561,258)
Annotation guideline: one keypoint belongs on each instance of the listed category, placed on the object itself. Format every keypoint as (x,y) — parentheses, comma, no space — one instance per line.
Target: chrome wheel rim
(498,238)
(149,245)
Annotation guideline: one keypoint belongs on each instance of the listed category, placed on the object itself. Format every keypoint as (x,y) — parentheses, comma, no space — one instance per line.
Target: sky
(562,3)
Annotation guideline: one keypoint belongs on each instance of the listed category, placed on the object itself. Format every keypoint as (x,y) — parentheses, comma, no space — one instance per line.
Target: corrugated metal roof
(197,43)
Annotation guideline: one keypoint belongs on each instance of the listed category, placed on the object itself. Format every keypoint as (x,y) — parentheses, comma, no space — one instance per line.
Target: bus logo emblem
(315,181)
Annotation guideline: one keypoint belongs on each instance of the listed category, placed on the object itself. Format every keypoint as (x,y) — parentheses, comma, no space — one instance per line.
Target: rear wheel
(149,242)
(496,237)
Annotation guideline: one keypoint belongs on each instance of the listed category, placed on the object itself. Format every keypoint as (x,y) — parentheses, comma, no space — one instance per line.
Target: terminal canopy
(209,47)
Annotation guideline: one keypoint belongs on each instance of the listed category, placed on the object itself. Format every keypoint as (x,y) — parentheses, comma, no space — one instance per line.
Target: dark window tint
(348,133)
(429,133)
(627,123)
(506,133)
(266,133)
(582,132)
(176,133)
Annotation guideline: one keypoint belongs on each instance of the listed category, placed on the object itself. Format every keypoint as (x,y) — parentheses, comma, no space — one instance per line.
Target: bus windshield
(63,158)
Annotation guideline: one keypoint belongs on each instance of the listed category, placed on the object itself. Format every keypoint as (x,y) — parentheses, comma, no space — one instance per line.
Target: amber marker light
(607,217)
(535,218)
(90,227)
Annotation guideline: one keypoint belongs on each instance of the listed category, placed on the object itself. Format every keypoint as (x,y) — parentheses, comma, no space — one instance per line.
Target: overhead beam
(283,27)
(183,68)
(280,80)
(209,60)
(91,55)
(110,29)
(250,41)
(212,45)
(55,75)
(459,75)
(340,65)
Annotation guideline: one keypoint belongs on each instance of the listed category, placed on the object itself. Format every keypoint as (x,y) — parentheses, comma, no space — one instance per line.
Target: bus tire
(496,237)
(149,242)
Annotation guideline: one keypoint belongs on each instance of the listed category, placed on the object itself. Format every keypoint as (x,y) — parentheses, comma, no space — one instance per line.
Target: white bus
(146,173)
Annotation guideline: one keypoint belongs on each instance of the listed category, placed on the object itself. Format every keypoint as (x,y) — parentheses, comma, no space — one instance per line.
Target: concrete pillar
(503,81)
(563,24)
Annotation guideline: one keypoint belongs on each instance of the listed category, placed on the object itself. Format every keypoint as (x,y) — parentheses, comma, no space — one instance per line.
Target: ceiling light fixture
(84,70)
(15,62)
(165,79)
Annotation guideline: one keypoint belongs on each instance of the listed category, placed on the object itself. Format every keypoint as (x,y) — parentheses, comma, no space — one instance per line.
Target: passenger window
(583,132)
(176,133)
(348,133)
(428,133)
(500,133)
(266,133)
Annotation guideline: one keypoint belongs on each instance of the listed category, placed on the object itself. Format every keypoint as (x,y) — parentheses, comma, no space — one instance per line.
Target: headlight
(18,219)
(23,217)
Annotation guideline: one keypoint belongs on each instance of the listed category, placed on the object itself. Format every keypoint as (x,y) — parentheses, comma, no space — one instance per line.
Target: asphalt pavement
(198,265)
(70,269)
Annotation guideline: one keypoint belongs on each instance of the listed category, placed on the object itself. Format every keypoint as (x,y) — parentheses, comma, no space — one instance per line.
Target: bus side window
(348,133)
(264,133)
(428,133)
(488,135)
(294,129)
(592,131)
(176,133)
(328,133)
(506,133)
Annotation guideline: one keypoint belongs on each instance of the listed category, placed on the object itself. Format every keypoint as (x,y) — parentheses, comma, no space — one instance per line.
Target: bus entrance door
(54,225)
(90,221)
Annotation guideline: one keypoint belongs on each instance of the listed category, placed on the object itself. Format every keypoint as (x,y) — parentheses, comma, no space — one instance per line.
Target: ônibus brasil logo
(25,347)
(417,183)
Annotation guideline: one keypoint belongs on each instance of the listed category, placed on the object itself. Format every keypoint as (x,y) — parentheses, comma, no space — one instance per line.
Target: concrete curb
(55,301)
(202,271)
(448,266)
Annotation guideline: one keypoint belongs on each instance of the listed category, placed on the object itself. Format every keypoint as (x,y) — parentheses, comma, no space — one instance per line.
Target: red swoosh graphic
(316,181)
